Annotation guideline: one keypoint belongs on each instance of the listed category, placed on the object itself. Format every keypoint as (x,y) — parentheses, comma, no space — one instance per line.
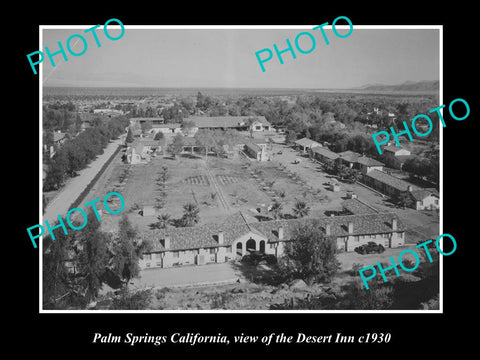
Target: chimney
(409,188)
(220,237)
(350,227)
(280,233)
(394,224)
(328,230)
(166,242)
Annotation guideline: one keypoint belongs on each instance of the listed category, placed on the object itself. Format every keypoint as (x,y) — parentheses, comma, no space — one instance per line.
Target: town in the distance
(238,199)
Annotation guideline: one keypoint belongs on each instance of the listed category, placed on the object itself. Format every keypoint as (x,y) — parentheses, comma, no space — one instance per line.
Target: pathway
(221,196)
(60,204)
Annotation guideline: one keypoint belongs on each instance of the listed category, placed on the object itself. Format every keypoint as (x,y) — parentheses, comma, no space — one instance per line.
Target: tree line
(75,266)
(75,154)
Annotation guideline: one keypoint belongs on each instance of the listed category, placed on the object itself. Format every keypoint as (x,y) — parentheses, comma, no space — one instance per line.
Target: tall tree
(129,138)
(125,252)
(310,255)
(93,258)
(176,147)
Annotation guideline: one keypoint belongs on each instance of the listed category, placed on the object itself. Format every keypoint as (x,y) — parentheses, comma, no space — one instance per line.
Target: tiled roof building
(237,234)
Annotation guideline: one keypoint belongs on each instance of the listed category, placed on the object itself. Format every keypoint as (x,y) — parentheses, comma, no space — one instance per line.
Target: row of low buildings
(373,174)
(239,123)
(254,147)
(240,234)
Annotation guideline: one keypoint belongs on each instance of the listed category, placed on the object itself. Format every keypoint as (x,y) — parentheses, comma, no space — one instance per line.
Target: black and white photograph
(238,183)
(227,183)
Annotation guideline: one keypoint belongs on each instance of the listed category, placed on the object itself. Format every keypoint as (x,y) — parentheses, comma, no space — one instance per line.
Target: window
(258,127)
(148,257)
(436,201)
(176,254)
(147,264)
(212,250)
(158,264)
(272,246)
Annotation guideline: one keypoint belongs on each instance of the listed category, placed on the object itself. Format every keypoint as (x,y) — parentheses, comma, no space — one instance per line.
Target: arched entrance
(239,249)
(262,246)
(251,245)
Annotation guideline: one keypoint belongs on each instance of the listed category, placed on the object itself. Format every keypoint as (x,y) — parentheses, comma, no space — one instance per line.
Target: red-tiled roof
(236,225)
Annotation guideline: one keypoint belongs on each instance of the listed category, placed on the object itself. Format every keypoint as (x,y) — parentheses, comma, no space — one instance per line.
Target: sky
(226,58)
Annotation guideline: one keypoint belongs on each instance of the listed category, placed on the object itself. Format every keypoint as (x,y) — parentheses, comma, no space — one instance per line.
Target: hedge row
(89,187)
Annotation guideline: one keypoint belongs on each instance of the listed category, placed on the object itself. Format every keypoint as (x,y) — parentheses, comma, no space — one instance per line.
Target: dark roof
(237,225)
(358,207)
(253,146)
(224,121)
(366,161)
(390,180)
(325,152)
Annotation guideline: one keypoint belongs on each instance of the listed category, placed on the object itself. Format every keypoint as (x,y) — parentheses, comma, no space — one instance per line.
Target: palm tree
(163,221)
(190,214)
(301,209)
(276,209)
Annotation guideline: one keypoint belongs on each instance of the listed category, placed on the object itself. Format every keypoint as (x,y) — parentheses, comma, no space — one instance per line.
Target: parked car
(370,248)
(280,152)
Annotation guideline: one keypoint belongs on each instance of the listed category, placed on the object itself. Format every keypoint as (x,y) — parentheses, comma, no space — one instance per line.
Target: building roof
(421,194)
(364,224)
(203,236)
(325,152)
(149,142)
(366,161)
(307,142)
(358,207)
(57,136)
(254,147)
(350,156)
(224,121)
(167,126)
(237,225)
(135,119)
(394,149)
(390,180)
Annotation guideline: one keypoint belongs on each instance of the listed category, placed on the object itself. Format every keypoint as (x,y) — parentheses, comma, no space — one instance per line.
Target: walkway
(217,188)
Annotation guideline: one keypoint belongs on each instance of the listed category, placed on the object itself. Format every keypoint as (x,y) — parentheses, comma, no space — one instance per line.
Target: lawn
(217,186)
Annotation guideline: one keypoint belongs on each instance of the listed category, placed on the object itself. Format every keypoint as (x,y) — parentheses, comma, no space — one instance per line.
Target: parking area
(422,225)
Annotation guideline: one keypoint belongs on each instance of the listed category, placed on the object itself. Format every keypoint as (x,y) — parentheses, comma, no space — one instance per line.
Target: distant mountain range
(418,86)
